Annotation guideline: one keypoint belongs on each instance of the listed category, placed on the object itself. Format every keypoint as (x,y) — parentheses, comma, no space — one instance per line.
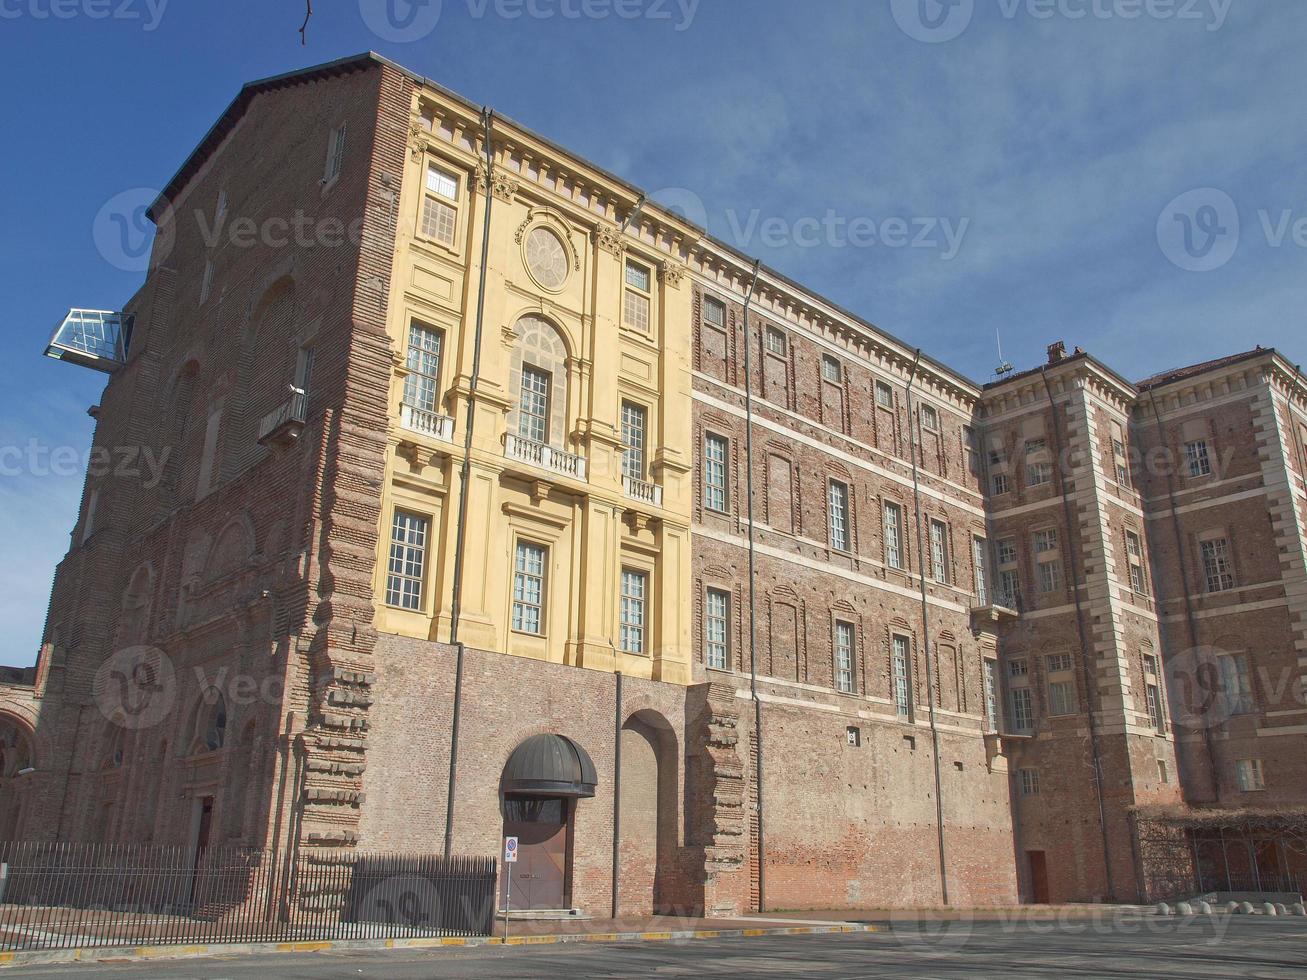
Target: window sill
(436,245)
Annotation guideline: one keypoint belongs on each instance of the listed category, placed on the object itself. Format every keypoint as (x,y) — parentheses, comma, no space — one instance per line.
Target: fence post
(4,880)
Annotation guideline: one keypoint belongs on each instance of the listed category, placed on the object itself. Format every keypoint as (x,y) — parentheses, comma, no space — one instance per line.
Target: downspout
(487,122)
(1191,616)
(753,598)
(1086,672)
(617,789)
(925,634)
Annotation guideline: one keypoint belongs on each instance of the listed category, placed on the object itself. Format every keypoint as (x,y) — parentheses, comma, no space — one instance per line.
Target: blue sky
(1034,150)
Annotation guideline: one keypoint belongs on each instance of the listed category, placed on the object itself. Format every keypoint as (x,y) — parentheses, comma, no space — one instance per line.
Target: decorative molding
(609,239)
(501,185)
(671,273)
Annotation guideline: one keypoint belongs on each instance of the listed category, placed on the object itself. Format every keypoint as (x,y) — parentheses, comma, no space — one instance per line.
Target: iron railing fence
(62,895)
(1172,887)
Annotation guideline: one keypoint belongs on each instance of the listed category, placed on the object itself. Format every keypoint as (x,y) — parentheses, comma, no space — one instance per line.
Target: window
(1059,662)
(979,551)
(991,695)
(775,341)
(714,312)
(1119,456)
(831,369)
(844,657)
(1134,549)
(408,550)
(533,410)
(1034,446)
(971,449)
(633,437)
(884,395)
(1062,697)
(1029,782)
(1250,775)
(716,625)
(837,499)
(1009,588)
(304,375)
(1153,693)
(220,209)
(1236,683)
(899,674)
(206,283)
(893,535)
(929,418)
(853,736)
(1048,558)
(1050,576)
(335,154)
(1001,483)
(1039,473)
(1018,668)
(635,588)
(1007,551)
(1046,541)
(439,206)
(529,588)
(1200,462)
(939,551)
(714,472)
(636,303)
(1023,713)
(422,383)
(1217,573)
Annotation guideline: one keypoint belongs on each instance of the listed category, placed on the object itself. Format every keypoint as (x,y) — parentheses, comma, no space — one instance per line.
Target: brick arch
(233,549)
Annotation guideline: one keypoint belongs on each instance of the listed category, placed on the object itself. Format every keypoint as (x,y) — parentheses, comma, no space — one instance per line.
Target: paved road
(1153,948)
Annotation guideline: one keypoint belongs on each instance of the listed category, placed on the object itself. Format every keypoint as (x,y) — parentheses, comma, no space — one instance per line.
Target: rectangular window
(1061,697)
(1002,484)
(831,369)
(991,695)
(837,499)
(939,551)
(714,472)
(1007,551)
(1050,576)
(1199,460)
(1046,541)
(1059,662)
(929,418)
(529,588)
(1009,588)
(979,564)
(1018,668)
(1153,693)
(1119,456)
(714,312)
(408,550)
(1134,548)
(1023,712)
(533,409)
(633,438)
(884,395)
(716,628)
(422,383)
(1036,446)
(899,673)
(1236,683)
(439,206)
(1029,782)
(335,154)
(1217,573)
(844,657)
(304,374)
(635,588)
(893,535)
(775,341)
(635,305)
(1250,775)
(1038,474)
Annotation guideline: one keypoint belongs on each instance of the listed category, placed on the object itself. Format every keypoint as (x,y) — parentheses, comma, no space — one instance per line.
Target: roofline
(1225,363)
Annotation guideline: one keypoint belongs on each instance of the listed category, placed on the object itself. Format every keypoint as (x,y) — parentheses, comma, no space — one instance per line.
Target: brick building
(452,536)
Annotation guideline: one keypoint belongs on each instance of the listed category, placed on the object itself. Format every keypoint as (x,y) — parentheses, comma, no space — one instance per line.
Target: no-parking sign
(510,850)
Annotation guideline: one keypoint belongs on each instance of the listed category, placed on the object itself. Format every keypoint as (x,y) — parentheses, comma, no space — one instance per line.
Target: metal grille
(62,896)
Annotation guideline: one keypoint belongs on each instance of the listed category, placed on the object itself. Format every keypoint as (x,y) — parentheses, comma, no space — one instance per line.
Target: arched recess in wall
(233,549)
(208,729)
(264,374)
(180,428)
(785,634)
(16,757)
(137,601)
(650,801)
(540,358)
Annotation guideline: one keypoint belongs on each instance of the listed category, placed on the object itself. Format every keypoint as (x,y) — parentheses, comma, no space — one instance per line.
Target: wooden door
(540,872)
(1038,877)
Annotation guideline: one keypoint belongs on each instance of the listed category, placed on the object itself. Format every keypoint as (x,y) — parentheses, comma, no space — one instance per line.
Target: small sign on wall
(510,850)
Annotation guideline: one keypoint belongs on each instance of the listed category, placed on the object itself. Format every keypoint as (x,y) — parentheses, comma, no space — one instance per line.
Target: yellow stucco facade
(584,355)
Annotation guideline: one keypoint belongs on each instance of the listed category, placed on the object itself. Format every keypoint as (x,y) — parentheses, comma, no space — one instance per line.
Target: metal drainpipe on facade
(487,122)
(925,634)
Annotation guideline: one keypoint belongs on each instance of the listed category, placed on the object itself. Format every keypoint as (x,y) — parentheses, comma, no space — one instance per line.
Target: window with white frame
(900,661)
(1029,782)
(1023,711)
(715,449)
(1059,662)
(939,551)
(335,154)
(533,407)
(1250,775)
(1153,692)
(1001,484)
(1048,560)
(529,588)
(714,312)
(1198,458)
(991,694)
(893,535)
(971,449)
(1009,579)
(831,370)
(422,383)
(1018,668)
(980,569)
(634,601)
(634,425)
(637,300)
(775,341)
(408,551)
(716,624)
(1050,575)
(1119,456)
(1036,445)
(440,200)
(837,504)
(1218,573)
(929,418)
(1039,473)
(1236,683)
(844,657)
(1062,697)
(1134,548)
(884,395)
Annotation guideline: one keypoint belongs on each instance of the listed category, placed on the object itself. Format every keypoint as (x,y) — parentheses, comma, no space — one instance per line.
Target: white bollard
(1184,908)
(1268,908)
(1204,908)
(1163,909)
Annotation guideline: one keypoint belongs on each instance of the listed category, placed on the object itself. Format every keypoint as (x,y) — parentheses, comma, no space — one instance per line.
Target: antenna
(1004,368)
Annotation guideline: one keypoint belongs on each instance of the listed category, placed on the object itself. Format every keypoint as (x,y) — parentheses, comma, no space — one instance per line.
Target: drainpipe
(1191,616)
(925,635)
(617,790)
(487,123)
(1086,672)
(753,598)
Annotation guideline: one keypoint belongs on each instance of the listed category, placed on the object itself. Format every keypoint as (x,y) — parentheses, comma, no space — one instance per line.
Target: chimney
(1056,352)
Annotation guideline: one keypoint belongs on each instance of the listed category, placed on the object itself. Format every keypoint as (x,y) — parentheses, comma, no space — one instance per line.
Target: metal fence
(59,896)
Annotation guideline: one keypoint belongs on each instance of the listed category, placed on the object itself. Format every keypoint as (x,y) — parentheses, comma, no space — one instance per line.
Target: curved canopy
(550,765)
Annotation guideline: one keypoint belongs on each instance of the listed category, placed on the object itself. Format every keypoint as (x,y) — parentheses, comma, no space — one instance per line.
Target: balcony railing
(545,457)
(285,422)
(428,423)
(646,493)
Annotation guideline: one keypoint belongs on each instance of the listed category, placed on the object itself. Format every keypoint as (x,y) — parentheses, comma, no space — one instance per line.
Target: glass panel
(533,410)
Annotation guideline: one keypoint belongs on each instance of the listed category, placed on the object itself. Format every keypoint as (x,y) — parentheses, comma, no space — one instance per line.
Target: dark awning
(550,765)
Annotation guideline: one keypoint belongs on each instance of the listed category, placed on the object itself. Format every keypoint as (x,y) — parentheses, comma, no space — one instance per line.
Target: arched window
(538,376)
(210,731)
(180,427)
(113,747)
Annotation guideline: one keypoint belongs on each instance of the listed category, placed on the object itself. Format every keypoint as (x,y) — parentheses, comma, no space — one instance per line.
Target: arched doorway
(648,803)
(543,780)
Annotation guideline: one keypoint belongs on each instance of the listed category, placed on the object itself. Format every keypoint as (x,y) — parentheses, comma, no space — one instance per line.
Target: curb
(130,954)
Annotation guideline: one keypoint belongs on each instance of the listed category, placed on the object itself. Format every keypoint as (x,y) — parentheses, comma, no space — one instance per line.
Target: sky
(1124,175)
